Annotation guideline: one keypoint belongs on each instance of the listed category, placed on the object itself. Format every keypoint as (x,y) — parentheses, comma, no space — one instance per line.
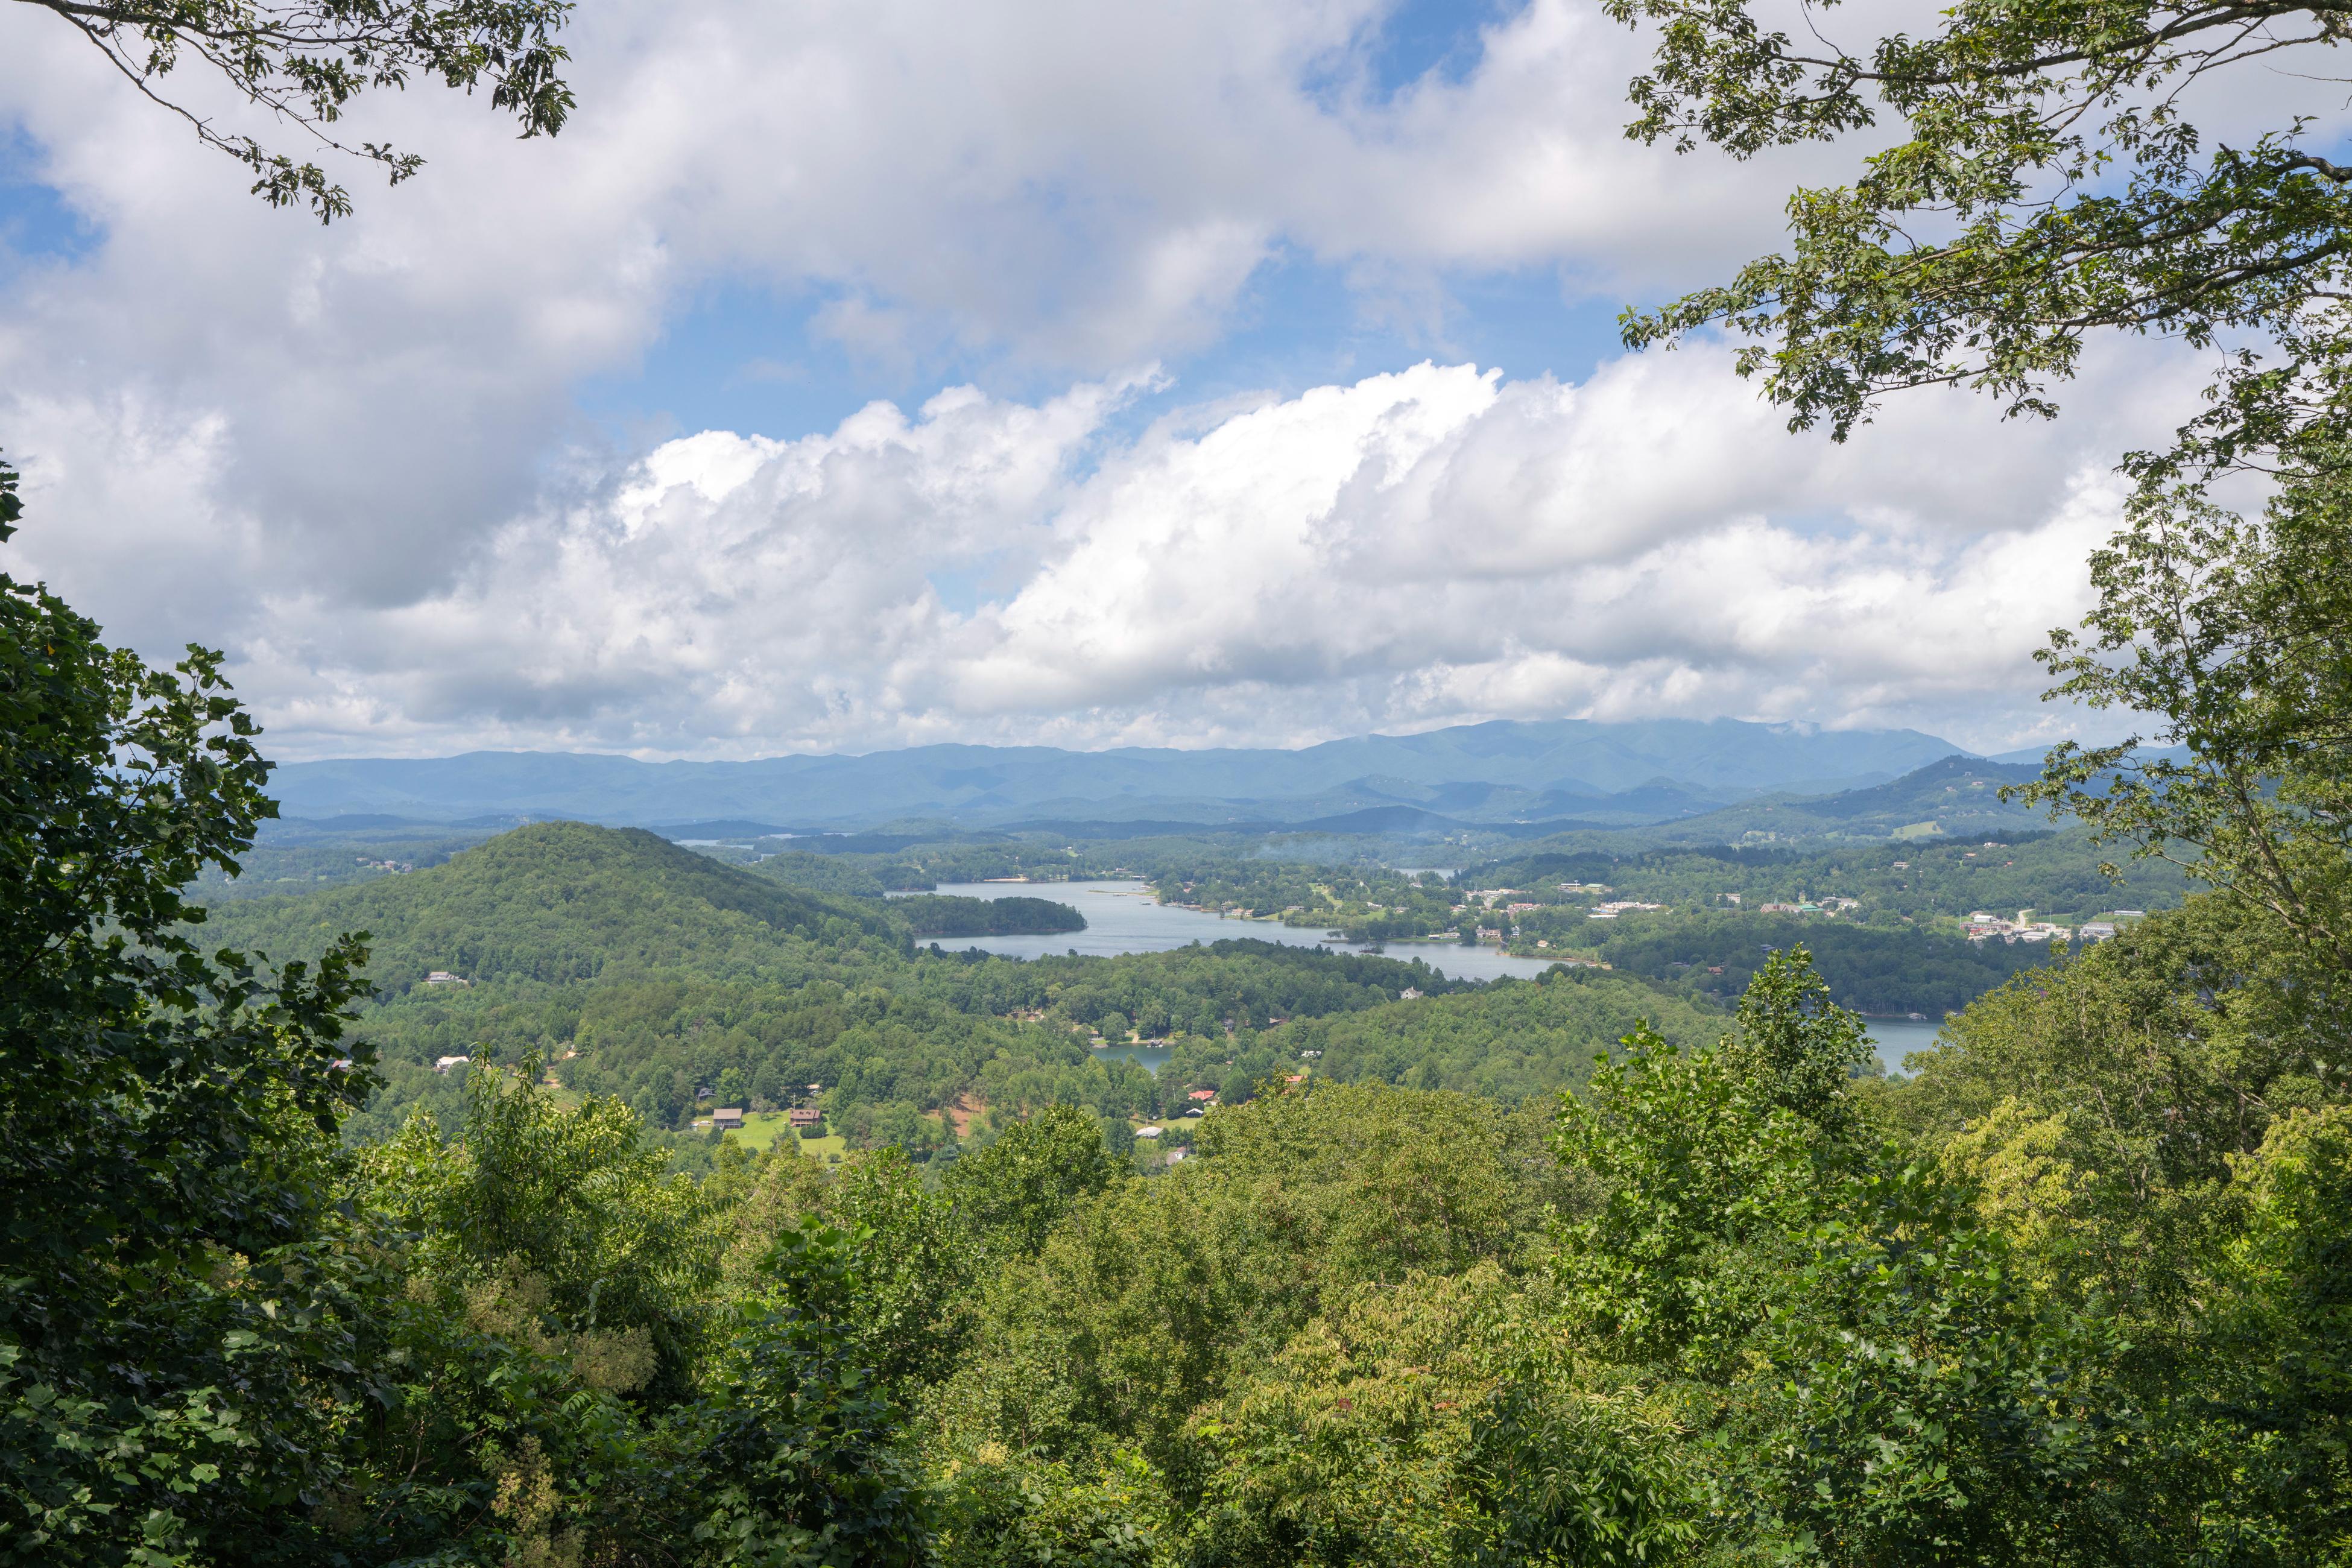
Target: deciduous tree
(302,63)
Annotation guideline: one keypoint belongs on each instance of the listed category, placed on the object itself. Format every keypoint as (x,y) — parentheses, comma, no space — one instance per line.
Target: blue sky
(743,356)
(742,353)
(1246,372)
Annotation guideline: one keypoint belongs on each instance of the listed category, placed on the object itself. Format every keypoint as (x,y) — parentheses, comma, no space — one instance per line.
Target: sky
(854,375)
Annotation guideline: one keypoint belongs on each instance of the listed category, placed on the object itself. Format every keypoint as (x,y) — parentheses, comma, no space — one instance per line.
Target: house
(727,1121)
(1176,1154)
(1410,993)
(442,1064)
(804,1118)
(1148,1131)
(443,977)
(1202,1094)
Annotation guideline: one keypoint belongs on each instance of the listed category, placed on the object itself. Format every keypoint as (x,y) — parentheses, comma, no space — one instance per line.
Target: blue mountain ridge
(1497,772)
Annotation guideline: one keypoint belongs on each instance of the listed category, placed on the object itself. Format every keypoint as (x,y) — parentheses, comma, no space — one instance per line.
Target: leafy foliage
(1871,968)
(306,62)
(1868,1384)
(1512,1041)
(797,1430)
(2044,178)
(170,1116)
(2235,634)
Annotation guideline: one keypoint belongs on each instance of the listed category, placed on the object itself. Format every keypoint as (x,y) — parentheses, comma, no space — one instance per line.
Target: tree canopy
(304,63)
(2048,178)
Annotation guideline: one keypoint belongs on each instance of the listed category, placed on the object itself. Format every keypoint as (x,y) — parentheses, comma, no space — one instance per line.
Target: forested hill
(930,914)
(561,901)
(1512,1043)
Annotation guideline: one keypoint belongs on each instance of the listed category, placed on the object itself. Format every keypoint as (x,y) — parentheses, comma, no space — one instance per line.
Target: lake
(1124,917)
(1897,1037)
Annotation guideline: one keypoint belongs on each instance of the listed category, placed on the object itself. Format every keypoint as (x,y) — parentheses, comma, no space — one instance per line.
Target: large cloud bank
(354,457)
(1424,546)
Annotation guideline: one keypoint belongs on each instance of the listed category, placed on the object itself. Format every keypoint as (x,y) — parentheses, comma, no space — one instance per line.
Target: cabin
(727,1121)
(442,1064)
(443,977)
(804,1118)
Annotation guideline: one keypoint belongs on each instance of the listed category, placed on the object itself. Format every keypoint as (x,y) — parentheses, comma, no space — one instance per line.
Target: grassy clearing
(761,1129)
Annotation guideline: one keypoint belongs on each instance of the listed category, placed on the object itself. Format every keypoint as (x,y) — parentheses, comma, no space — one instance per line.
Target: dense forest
(1870,968)
(639,969)
(930,914)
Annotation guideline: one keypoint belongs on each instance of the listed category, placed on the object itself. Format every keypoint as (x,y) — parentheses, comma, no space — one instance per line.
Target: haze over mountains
(1499,773)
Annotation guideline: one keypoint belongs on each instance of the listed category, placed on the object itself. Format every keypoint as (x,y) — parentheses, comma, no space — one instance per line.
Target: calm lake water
(1124,917)
(1897,1037)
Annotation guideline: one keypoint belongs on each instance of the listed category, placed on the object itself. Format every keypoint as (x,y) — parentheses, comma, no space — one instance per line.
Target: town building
(1984,927)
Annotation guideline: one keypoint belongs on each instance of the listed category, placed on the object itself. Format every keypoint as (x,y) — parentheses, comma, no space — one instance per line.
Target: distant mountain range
(1956,796)
(1593,773)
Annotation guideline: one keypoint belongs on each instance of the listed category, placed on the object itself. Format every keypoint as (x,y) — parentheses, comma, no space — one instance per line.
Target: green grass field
(760,1132)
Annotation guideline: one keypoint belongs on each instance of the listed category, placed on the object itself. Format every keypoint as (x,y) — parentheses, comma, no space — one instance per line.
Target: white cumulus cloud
(1432,545)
